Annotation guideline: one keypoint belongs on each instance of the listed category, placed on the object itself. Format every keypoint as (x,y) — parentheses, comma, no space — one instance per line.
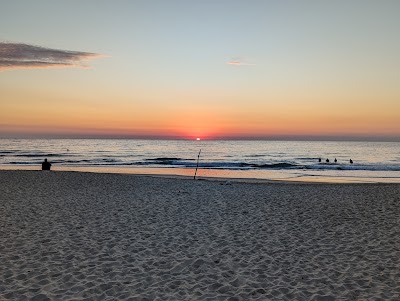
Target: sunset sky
(209,69)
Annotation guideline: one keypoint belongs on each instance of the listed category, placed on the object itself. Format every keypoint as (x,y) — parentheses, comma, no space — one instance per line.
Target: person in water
(46,165)
(327,160)
(319,159)
(351,161)
(335,160)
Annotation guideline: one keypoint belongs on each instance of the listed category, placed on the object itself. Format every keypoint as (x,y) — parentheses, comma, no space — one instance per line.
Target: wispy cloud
(18,55)
(239,62)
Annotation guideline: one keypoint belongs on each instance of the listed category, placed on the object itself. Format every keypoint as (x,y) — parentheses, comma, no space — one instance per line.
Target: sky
(209,69)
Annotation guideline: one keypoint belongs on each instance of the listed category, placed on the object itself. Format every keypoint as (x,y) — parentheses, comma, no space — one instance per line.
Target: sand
(87,236)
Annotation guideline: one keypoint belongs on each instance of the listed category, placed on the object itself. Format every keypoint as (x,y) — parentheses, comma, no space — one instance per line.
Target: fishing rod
(197,166)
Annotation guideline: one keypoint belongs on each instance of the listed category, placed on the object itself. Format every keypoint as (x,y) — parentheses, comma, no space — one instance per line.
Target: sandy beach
(88,236)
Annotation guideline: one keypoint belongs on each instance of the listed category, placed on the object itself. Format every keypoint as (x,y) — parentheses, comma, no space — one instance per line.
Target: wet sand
(88,236)
(250,175)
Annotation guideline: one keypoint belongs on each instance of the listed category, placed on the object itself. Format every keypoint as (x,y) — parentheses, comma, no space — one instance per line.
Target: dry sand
(86,236)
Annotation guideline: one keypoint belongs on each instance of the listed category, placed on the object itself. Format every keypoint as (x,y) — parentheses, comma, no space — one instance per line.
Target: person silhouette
(335,160)
(351,161)
(327,160)
(46,165)
(319,159)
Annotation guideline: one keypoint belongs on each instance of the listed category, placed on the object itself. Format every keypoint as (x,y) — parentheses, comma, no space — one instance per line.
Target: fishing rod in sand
(197,166)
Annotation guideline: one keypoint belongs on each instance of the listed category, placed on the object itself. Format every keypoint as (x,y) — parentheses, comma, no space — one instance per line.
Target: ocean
(270,160)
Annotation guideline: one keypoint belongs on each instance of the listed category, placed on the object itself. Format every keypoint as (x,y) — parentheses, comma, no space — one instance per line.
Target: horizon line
(355,138)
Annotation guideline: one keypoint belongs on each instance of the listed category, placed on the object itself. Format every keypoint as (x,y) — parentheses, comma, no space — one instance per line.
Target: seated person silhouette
(351,161)
(335,160)
(46,165)
(327,160)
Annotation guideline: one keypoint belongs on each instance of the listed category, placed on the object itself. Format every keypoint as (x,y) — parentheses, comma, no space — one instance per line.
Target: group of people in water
(327,160)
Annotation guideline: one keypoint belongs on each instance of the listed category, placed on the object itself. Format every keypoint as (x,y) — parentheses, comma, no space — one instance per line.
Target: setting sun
(291,190)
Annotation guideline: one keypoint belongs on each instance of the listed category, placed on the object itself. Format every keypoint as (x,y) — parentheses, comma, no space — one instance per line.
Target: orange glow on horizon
(32,112)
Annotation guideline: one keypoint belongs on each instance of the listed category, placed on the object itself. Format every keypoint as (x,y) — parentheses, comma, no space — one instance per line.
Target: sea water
(287,160)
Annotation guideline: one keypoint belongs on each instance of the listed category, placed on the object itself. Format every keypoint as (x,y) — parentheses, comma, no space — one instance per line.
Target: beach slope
(87,236)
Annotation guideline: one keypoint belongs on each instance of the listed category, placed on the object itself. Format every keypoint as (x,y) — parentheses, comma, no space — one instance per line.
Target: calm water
(375,161)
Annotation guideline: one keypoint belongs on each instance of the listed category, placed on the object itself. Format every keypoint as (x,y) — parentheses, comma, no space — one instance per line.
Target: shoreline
(250,176)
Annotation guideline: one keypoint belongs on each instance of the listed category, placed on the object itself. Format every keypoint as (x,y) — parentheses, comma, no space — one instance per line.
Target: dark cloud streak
(18,55)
